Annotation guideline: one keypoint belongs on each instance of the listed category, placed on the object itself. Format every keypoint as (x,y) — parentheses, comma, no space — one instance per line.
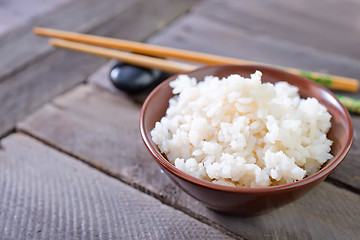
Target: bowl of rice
(245,139)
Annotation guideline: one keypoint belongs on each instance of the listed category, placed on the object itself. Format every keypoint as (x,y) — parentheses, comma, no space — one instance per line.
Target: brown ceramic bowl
(249,201)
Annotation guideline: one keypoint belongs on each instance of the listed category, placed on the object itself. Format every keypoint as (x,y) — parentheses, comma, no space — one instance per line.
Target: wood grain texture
(21,46)
(203,34)
(14,13)
(60,70)
(101,128)
(49,195)
(326,25)
(224,34)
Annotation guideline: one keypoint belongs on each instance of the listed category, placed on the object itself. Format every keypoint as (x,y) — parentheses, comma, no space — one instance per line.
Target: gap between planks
(92,96)
(34,48)
(139,187)
(50,195)
(23,92)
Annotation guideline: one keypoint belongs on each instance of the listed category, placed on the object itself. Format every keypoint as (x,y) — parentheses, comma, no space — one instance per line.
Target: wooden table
(72,163)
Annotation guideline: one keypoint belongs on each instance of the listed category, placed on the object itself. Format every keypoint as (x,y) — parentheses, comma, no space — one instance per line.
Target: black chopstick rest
(133,79)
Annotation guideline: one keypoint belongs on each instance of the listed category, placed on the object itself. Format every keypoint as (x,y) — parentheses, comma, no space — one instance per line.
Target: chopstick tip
(36,30)
(53,41)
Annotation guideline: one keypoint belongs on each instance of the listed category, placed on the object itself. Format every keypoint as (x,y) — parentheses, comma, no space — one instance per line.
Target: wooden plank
(49,195)
(315,24)
(100,77)
(101,128)
(21,46)
(348,173)
(195,32)
(16,12)
(61,70)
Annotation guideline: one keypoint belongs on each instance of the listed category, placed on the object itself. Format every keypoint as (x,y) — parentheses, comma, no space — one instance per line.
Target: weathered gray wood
(99,77)
(195,32)
(101,128)
(325,25)
(21,46)
(61,70)
(46,194)
(14,13)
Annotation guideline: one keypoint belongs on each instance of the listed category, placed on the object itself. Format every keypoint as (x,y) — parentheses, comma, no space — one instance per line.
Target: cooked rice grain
(240,132)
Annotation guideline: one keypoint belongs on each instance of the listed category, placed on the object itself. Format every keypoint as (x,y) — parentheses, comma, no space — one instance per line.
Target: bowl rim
(321,174)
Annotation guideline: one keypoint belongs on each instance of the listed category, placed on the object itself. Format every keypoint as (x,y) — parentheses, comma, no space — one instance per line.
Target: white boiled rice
(240,132)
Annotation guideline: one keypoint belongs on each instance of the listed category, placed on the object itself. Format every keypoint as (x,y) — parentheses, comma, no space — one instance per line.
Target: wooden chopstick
(131,58)
(331,81)
(351,104)
(137,47)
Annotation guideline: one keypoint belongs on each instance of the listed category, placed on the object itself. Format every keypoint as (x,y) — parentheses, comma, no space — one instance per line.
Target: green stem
(351,104)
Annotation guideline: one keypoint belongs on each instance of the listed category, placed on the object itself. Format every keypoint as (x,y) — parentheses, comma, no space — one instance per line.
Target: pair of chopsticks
(107,47)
